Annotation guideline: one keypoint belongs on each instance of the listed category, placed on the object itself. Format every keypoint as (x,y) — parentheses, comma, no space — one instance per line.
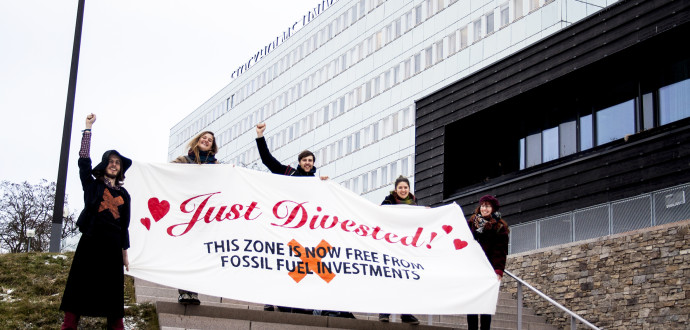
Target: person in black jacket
(491,232)
(306,167)
(401,195)
(95,285)
(305,159)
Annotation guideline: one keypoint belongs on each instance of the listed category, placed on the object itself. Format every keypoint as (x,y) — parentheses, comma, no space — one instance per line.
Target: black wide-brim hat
(125,163)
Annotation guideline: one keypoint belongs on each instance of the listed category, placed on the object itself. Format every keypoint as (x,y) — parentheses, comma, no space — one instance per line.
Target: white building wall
(358,116)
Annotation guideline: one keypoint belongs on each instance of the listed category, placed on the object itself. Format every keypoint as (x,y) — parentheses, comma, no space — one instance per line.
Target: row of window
(605,125)
(286,62)
(382,176)
(431,55)
(372,133)
(341,63)
(360,51)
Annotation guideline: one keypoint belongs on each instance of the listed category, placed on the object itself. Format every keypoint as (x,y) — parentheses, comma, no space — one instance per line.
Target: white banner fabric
(301,242)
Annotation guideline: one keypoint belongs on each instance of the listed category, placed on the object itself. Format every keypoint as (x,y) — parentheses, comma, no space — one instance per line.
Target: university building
(547,104)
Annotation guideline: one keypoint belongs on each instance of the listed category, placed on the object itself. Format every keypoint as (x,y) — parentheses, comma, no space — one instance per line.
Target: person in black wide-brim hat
(95,286)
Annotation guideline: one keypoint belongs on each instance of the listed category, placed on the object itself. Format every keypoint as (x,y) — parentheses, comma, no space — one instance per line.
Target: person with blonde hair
(202,150)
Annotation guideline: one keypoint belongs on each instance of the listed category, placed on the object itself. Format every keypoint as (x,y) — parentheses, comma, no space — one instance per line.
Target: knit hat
(125,163)
(491,200)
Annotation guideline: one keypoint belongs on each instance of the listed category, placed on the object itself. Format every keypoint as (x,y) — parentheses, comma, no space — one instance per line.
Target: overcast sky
(144,65)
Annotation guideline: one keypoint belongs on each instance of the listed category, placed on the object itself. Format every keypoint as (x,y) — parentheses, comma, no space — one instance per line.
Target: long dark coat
(95,286)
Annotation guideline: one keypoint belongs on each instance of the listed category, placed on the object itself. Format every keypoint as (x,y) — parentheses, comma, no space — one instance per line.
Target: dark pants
(473,322)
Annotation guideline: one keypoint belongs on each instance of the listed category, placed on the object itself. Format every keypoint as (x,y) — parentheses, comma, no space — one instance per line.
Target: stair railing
(572,314)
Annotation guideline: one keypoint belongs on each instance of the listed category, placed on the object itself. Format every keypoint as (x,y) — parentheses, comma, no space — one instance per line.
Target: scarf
(479,223)
(204,157)
(409,200)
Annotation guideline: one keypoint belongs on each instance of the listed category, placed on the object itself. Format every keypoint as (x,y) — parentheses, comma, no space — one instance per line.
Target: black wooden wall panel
(617,171)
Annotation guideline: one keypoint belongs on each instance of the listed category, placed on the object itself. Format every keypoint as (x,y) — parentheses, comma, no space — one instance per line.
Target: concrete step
(146,291)
(176,316)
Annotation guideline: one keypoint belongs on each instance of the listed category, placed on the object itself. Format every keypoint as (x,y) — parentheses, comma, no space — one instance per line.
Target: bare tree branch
(25,206)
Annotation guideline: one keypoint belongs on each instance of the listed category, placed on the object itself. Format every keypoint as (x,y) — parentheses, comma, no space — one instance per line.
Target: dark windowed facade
(597,112)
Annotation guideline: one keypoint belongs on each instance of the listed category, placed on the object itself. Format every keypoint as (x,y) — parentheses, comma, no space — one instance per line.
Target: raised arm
(273,164)
(84,153)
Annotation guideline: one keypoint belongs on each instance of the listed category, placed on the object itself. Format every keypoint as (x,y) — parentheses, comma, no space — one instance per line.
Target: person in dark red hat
(95,285)
(491,232)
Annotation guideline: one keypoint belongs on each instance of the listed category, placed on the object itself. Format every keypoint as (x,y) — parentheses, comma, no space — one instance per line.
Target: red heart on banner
(459,244)
(158,209)
(146,222)
(447,228)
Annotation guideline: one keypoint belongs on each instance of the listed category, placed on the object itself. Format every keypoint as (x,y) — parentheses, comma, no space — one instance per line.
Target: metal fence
(656,208)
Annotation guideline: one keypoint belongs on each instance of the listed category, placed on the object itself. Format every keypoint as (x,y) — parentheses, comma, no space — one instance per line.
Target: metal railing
(573,316)
(646,210)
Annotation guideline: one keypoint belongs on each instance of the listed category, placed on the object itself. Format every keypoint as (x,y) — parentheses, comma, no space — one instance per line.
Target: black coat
(494,242)
(275,166)
(392,199)
(95,286)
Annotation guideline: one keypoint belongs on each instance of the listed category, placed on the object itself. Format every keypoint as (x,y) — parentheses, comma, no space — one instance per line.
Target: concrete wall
(634,280)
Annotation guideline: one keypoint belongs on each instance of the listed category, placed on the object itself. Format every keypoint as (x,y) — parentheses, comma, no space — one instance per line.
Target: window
(477,29)
(231,102)
(505,17)
(384,175)
(533,4)
(341,106)
(522,153)
(463,38)
(615,122)
(451,43)
(417,14)
(674,102)
(417,62)
(490,23)
(403,167)
(586,132)
(533,149)
(365,182)
(428,58)
(517,8)
(647,111)
(439,51)
(396,74)
(387,79)
(567,137)
(340,148)
(550,144)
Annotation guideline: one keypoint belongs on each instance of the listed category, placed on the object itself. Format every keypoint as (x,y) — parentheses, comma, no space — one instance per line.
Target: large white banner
(301,242)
